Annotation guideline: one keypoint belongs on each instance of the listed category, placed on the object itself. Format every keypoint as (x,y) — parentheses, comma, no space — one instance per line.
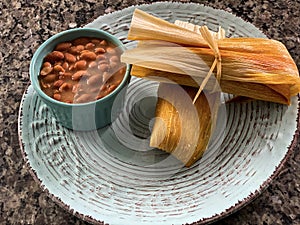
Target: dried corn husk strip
(195,28)
(181,127)
(144,26)
(258,68)
(274,93)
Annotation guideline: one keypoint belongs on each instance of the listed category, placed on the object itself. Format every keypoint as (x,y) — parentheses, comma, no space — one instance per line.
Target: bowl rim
(107,35)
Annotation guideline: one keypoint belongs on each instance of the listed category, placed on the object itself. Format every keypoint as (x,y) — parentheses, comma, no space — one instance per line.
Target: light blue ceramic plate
(112,176)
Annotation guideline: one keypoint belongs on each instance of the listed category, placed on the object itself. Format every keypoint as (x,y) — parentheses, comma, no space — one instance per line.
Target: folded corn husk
(250,66)
(181,127)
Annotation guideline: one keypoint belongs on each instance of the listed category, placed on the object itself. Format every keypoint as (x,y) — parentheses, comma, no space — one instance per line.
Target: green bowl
(83,116)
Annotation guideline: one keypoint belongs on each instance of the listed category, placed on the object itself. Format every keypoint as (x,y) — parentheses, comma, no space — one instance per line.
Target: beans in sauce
(82,70)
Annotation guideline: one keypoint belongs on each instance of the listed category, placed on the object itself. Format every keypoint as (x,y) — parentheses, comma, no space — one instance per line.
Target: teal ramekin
(83,116)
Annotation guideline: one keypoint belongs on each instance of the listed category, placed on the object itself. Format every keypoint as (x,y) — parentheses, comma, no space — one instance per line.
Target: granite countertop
(24,25)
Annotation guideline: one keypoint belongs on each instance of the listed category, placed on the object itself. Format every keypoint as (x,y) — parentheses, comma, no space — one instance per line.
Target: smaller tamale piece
(182,128)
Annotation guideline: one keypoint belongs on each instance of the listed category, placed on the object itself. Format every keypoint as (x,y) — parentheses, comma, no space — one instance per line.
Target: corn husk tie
(206,34)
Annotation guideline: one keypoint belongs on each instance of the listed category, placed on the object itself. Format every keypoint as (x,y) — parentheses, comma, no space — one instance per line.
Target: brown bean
(45,71)
(92,64)
(81,41)
(79,74)
(58,68)
(103,67)
(58,83)
(50,78)
(83,98)
(73,50)
(96,41)
(57,96)
(100,50)
(65,65)
(70,58)
(101,57)
(63,46)
(111,50)
(114,58)
(54,56)
(88,56)
(114,65)
(94,80)
(47,64)
(103,43)
(80,65)
(89,46)
(65,86)
(80,48)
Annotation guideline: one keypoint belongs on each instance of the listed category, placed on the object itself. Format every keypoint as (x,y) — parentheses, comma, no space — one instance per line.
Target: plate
(112,176)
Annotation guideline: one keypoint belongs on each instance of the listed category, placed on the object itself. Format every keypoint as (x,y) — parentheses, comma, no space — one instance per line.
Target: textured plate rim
(234,208)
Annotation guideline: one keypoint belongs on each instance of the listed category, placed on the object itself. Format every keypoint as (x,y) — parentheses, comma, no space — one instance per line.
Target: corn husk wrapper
(250,66)
(182,128)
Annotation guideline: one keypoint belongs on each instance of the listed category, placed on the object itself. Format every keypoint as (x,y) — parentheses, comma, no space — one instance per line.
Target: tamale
(250,66)
(181,127)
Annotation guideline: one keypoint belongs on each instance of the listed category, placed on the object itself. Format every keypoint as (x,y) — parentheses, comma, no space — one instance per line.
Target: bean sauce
(82,70)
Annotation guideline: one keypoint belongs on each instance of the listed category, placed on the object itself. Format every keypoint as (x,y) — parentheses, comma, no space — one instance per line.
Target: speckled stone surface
(24,25)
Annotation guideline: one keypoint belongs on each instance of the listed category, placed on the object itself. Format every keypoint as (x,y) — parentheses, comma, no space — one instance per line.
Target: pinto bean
(76,76)
(54,56)
(63,46)
(94,80)
(83,98)
(92,64)
(50,78)
(45,71)
(57,96)
(65,86)
(58,83)
(47,64)
(88,56)
(100,50)
(103,67)
(81,41)
(80,65)
(89,46)
(70,57)
(58,68)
